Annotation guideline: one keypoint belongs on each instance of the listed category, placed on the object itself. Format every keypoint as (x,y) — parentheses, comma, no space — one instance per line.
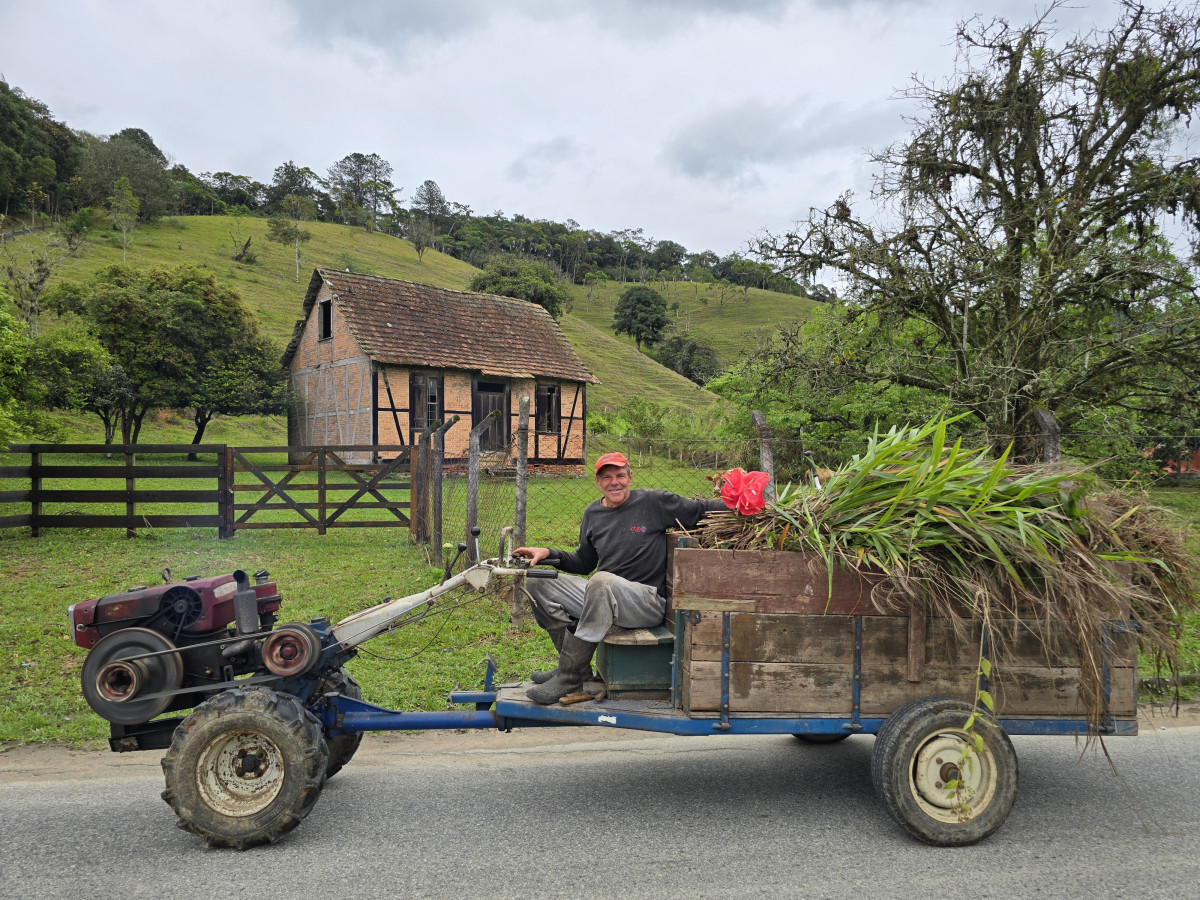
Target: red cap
(610,459)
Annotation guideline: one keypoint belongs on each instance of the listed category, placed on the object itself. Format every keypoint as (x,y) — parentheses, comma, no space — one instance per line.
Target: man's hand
(534,554)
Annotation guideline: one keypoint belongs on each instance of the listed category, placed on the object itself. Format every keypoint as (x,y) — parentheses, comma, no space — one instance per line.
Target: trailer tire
(822,738)
(343,747)
(228,801)
(917,751)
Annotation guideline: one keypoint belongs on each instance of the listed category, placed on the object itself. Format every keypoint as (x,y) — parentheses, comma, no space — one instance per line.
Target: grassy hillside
(269,287)
(732,328)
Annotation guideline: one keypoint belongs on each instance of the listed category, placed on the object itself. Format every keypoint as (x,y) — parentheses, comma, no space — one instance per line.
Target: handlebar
(540,573)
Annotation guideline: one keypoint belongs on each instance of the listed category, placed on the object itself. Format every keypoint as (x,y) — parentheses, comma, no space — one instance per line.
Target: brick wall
(331,384)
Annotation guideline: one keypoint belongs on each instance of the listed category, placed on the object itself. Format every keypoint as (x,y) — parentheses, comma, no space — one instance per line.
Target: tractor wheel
(342,747)
(245,767)
(821,738)
(920,748)
(113,679)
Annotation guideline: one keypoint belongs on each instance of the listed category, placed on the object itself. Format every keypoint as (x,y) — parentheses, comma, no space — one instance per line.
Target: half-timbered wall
(561,450)
(331,383)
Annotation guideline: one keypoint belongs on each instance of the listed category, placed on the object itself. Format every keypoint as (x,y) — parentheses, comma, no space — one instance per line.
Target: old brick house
(375,360)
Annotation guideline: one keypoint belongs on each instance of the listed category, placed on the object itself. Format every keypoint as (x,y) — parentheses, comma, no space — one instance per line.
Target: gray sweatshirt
(631,540)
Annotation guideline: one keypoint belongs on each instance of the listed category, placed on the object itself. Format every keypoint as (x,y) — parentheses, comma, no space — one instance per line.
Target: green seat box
(636,660)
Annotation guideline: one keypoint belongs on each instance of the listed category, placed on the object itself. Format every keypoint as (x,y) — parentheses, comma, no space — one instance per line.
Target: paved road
(591,813)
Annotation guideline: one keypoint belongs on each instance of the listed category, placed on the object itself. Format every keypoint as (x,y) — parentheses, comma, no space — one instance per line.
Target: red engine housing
(185,611)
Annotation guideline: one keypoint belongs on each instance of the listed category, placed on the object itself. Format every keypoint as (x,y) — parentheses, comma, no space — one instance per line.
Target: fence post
(227,496)
(473,482)
(130,487)
(222,487)
(1051,436)
(765,456)
(518,597)
(35,492)
(322,491)
(439,459)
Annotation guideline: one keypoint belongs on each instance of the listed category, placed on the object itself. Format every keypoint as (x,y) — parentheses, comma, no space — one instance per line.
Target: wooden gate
(280,495)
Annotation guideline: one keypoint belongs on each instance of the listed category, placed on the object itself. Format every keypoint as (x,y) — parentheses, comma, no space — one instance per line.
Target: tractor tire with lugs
(245,767)
(343,747)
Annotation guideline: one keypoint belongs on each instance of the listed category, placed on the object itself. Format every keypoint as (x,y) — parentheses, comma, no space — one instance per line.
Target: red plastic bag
(743,491)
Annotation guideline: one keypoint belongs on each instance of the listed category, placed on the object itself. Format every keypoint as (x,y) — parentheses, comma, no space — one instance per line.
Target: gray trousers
(594,604)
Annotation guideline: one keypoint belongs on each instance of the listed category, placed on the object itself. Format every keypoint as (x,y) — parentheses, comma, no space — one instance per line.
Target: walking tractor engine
(154,649)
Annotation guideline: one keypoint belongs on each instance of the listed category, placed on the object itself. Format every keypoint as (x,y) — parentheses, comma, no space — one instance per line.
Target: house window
(424,401)
(487,396)
(324,320)
(548,409)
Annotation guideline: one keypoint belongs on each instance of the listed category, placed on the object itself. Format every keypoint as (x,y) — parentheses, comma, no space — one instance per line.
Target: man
(623,538)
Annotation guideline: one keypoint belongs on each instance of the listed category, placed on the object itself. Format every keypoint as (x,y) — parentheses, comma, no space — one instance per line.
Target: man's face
(614,482)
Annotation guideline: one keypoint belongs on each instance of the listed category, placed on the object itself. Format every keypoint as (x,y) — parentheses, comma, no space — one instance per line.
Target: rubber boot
(556,633)
(574,665)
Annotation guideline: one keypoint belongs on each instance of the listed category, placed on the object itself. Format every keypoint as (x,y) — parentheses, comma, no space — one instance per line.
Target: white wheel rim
(240,773)
(936,762)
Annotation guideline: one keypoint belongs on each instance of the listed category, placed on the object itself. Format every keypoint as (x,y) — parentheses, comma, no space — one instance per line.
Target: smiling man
(623,538)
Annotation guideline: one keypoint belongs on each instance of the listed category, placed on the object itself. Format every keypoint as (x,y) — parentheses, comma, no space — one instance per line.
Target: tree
(429,200)
(28,265)
(1019,266)
(524,280)
(171,333)
(285,228)
(123,208)
(239,375)
(693,358)
(14,350)
(291,180)
(114,158)
(361,181)
(641,313)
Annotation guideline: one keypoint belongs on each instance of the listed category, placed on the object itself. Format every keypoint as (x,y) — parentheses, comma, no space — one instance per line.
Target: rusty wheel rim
(240,773)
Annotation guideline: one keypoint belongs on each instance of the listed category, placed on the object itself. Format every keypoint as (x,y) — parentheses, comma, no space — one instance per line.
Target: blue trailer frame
(504,707)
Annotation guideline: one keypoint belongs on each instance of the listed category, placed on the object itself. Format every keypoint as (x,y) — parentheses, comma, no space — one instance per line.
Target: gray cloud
(538,162)
(392,24)
(730,145)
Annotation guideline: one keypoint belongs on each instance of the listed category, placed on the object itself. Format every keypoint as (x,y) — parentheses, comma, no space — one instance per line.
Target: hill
(270,288)
(733,325)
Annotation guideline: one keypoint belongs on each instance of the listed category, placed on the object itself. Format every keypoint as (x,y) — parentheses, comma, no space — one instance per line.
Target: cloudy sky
(701,121)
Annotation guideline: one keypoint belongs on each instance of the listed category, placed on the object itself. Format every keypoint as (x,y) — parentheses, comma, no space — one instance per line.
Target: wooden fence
(230,488)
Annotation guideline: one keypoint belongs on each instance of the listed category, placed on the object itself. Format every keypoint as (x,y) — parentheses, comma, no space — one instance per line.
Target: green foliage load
(960,531)
(509,276)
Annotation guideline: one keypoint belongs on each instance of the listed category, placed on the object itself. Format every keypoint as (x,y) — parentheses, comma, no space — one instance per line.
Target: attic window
(324,320)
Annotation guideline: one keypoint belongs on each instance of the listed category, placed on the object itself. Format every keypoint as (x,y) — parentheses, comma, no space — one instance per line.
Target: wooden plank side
(769,687)
(1023,642)
(1017,691)
(767,582)
(775,638)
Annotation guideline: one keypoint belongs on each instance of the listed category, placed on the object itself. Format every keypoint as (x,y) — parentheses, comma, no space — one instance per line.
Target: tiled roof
(409,324)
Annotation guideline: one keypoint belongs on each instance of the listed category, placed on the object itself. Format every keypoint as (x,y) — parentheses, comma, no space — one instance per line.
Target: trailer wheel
(918,750)
(343,747)
(821,738)
(245,767)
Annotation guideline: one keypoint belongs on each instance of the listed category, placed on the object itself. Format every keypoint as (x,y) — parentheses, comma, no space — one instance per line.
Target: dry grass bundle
(976,539)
